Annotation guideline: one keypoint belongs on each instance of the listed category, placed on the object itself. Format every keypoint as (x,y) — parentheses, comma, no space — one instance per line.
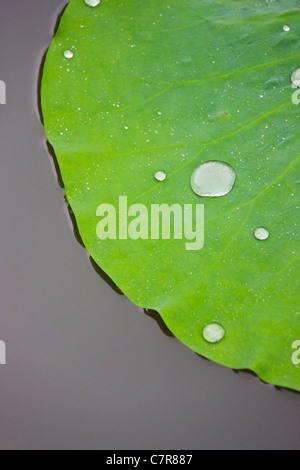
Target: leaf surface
(156,85)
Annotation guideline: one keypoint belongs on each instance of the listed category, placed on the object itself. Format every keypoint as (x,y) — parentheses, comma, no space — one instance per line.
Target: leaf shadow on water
(41,69)
(158,319)
(104,276)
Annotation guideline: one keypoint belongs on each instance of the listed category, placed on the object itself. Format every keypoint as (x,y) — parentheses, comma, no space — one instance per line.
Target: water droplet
(262,233)
(286,28)
(68,54)
(187,60)
(213,333)
(222,113)
(296,77)
(273,82)
(92,3)
(160,176)
(213,179)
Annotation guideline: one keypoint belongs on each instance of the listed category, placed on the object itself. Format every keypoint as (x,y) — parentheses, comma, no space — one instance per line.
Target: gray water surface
(86,369)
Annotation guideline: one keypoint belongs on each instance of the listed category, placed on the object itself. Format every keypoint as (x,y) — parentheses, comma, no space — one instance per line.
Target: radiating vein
(212,78)
(243,128)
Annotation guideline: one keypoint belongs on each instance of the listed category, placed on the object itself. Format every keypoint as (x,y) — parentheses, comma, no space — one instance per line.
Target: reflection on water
(105,277)
(156,317)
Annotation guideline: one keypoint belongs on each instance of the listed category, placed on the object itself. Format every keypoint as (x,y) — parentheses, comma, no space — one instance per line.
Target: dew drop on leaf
(160,176)
(68,54)
(213,179)
(213,333)
(296,77)
(262,233)
(92,3)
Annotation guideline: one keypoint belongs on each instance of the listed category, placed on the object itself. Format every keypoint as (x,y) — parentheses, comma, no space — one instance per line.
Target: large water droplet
(286,28)
(68,54)
(262,233)
(296,77)
(160,175)
(213,179)
(213,333)
(92,3)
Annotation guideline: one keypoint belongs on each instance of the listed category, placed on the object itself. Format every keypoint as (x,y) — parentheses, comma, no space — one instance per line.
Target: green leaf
(157,85)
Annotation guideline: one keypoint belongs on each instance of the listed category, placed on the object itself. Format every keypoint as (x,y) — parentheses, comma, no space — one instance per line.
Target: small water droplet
(187,60)
(214,333)
(68,54)
(296,77)
(92,3)
(286,28)
(213,179)
(262,233)
(273,82)
(160,176)
(222,113)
